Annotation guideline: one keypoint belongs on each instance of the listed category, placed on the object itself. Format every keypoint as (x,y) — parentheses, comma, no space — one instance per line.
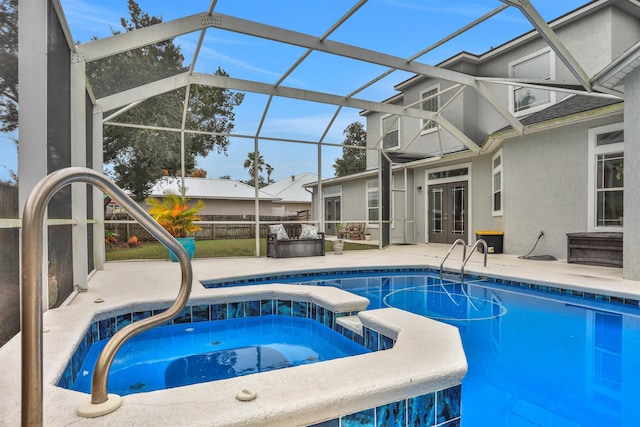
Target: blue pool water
(545,356)
(191,353)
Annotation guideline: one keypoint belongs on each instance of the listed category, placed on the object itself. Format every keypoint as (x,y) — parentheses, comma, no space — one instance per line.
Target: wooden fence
(9,201)
(236,227)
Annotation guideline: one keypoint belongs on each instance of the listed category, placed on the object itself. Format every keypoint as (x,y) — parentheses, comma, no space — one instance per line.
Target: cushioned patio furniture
(310,243)
(355,230)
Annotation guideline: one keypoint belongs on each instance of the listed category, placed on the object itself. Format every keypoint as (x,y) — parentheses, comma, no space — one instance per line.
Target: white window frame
(328,192)
(594,152)
(375,190)
(552,76)
(383,130)
(434,125)
(494,171)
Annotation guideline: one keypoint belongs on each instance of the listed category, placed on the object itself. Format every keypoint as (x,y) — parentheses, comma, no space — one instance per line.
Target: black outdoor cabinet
(595,248)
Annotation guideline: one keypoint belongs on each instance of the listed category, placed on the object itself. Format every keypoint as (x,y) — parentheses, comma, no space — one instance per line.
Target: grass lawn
(207,249)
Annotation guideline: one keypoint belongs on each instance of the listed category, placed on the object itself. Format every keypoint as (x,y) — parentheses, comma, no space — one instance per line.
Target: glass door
(332,209)
(447,216)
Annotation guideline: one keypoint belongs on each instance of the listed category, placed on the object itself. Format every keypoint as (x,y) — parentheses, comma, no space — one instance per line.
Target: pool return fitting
(101,402)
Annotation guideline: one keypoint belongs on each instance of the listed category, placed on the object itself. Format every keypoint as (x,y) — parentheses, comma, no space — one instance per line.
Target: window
(496,185)
(539,66)
(448,173)
(373,201)
(390,132)
(606,177)
(431,103)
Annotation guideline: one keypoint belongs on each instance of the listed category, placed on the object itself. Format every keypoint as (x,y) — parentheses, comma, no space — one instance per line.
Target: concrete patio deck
(132,282)
(162,277)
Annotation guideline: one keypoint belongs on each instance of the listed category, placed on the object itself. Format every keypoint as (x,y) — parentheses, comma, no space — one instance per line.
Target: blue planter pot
(189,244)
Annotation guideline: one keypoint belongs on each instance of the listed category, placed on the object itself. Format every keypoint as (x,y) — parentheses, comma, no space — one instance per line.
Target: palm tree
(269,169)
(253,165)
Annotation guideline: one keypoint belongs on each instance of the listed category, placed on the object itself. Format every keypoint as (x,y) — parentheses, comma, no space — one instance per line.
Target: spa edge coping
(427,357)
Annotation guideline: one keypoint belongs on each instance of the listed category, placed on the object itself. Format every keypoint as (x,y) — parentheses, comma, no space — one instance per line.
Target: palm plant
(269,169)
(173,213)
(254,166)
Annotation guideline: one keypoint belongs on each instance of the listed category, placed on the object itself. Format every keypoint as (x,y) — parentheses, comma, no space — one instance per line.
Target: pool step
(350,322)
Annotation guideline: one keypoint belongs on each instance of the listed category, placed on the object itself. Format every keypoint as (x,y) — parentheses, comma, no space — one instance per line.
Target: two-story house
(563,172)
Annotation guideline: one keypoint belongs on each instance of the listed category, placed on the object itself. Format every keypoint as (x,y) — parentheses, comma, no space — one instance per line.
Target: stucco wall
(429,142)
(624,32)
(354,200)
(545,188)
(481,201)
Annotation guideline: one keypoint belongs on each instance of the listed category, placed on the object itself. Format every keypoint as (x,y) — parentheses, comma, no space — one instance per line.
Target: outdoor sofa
(309,243)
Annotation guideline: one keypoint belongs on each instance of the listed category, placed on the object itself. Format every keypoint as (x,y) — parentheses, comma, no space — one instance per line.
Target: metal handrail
(31,309)
(464,253)
(475,245)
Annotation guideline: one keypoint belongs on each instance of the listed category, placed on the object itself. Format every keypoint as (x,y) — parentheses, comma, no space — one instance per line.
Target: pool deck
(134,281)
(138,278)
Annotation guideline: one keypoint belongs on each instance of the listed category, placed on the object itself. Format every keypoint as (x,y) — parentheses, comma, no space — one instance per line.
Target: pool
(538,354)
(410,375)
(193,353)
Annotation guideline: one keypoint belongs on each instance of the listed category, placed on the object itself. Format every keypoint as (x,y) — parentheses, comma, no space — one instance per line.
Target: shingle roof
(567,107)
(203,188)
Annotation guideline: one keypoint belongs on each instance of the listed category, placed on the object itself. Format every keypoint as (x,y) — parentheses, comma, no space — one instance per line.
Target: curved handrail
(456,243)
(475,245)
(31,309)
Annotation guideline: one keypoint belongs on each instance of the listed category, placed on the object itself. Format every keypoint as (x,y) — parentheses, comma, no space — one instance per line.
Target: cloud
(419,5)
(207,53)
(309,127)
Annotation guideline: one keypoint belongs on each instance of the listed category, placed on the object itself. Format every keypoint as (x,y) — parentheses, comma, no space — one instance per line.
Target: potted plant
(176,216)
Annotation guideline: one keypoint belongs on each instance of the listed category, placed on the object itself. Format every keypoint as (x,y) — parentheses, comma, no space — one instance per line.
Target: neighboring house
(563,173)
(221,196)
(293,197)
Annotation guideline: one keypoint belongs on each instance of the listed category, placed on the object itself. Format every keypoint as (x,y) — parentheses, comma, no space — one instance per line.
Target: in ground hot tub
(411,372)
(191,353)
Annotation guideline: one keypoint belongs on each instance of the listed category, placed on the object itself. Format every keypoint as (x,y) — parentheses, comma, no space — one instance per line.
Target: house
(220,196)
(293,197)
(529,151)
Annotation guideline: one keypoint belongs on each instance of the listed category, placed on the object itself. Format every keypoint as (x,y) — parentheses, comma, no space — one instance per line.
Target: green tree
(8,65)
(353,160)
(139,156)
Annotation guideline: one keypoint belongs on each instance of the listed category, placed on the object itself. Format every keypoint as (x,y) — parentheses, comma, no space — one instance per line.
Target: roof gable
(292,189)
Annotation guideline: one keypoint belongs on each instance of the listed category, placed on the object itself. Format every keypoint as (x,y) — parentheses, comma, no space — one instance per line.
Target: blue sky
(397,27)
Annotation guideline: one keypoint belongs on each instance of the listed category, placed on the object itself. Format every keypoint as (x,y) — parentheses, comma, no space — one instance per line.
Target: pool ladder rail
(465,258)
(35,207)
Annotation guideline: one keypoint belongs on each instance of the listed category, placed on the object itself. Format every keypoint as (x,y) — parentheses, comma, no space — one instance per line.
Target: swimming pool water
(191,353)
(535,358)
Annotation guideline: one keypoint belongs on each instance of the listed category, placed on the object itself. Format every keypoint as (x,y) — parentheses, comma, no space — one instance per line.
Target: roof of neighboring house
(203,188)
(291,189)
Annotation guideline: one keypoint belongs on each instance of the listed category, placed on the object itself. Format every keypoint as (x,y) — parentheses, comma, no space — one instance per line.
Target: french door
(332,210)
(447,218)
